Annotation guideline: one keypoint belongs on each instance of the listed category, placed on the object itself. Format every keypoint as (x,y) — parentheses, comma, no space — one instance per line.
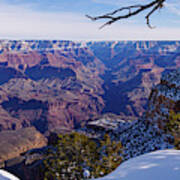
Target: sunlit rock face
(14,143)
(67,83)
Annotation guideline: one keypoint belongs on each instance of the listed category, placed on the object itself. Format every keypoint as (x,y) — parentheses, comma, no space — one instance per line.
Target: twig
(132,11)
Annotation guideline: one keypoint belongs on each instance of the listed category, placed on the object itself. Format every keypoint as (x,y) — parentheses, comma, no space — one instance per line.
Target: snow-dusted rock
(165,97)
(137,137)
(147,133)
(158,165)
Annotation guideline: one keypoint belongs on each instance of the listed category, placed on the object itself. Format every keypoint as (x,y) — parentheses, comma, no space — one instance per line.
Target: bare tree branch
(132,11)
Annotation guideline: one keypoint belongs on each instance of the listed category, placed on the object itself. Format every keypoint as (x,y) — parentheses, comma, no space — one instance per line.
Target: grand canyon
(62,85)
(124,88)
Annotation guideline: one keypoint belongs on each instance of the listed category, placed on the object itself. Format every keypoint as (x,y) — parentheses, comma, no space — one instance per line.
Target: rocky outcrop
(164,98)
(14,143)
(148,132)
(137,137)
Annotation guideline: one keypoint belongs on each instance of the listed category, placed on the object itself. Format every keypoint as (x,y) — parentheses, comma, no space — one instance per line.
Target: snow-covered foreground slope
(4,175)
(158,165)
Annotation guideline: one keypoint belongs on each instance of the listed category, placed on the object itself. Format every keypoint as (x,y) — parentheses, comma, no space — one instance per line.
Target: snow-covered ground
(158,165)
(4,175)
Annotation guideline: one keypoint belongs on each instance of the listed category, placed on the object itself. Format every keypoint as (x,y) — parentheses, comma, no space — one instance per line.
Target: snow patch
(4,175)
(164,164)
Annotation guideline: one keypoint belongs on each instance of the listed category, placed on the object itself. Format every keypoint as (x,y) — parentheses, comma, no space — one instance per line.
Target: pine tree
(74,153)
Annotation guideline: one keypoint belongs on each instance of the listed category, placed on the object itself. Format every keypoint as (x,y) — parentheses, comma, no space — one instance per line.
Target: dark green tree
(111,151)
(173,127)
(74,153)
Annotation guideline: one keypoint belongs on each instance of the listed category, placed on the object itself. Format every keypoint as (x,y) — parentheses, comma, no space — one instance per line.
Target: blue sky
(65,19)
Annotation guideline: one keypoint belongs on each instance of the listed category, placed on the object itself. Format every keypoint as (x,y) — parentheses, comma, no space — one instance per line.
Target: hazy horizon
(65,20)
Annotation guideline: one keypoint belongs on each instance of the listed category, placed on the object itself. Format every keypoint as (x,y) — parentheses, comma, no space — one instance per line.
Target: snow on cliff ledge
(158,165)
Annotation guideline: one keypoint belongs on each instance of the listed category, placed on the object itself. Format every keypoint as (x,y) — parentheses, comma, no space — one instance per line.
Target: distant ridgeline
(67,83)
